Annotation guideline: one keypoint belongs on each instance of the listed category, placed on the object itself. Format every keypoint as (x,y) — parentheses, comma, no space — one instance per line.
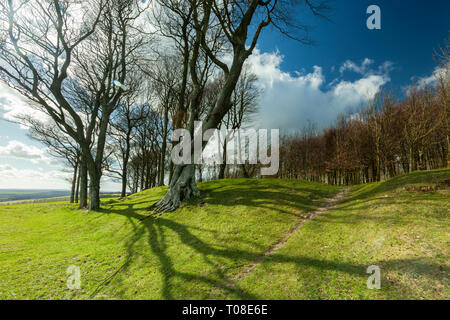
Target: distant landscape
(33,195)
(25,194)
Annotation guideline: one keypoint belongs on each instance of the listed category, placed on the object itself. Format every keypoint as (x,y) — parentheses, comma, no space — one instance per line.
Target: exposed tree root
(182,188)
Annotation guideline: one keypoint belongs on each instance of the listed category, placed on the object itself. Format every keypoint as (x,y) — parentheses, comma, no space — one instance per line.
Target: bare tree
(54,56)
(58,144)
(233,19)
(123,128)
(37,51)
(244,106)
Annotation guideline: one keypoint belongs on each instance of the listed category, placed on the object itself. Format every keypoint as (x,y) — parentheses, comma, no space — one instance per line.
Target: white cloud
(289,100)
(351,66)
(40,178)
(13,178)
(19,150)
(429,81)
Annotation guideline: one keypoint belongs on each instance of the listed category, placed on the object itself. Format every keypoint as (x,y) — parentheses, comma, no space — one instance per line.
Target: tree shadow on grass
(298,199)
(151,237)
(369,192)
(154,231)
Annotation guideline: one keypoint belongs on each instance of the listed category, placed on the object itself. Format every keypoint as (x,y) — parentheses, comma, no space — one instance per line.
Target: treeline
(383,140)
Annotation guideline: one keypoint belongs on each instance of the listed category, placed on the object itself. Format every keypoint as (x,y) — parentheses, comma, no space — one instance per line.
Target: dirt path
(327,204)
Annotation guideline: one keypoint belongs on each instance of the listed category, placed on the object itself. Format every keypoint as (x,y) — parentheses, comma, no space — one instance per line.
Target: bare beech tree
(55,46)
(59,145)
(105,64)
(233,19)
(244,105)
(123,128)
(37,51)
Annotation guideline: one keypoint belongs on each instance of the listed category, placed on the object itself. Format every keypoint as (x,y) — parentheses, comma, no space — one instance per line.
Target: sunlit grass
(201,250)
(190,253)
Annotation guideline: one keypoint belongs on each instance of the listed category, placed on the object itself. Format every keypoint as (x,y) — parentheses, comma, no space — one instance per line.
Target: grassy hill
(223,245)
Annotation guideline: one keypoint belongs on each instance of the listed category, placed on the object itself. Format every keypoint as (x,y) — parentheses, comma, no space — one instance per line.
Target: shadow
(150,234)
(154,230)
(257,194)
(373,190)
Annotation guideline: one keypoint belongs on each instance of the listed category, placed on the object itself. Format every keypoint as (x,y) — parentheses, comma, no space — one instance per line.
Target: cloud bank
(14,178)
(289,101)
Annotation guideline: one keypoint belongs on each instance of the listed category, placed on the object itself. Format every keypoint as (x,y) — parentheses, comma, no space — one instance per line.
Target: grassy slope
(197,251)
(405,233)
(190,253)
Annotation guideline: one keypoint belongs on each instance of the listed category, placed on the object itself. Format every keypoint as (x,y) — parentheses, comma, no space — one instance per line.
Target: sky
(347,66)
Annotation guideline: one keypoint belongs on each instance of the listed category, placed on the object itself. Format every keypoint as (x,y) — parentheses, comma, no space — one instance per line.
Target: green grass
(202,250)
(405,233)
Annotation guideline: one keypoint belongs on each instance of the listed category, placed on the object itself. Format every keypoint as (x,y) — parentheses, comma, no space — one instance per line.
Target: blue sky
(348,65)
(410,31)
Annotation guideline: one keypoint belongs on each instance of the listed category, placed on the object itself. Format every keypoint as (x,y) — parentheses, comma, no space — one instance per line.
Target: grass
(405,233)
(202,250)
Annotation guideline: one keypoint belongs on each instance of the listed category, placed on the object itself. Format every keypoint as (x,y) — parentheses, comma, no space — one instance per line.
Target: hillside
(242,239)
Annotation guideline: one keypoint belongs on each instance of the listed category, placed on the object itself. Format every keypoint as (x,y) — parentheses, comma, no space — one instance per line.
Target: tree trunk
(83,185)
(94,185)
(94,193)
(77,189)
(244,170)
(223,165)
(222,171)
(163,147)
(171,168)
(74,182)
(200,176)
(183,187)
(411,160)
(125,167)
(123,193)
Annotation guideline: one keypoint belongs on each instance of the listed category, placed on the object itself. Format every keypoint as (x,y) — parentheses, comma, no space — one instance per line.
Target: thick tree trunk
(171,168)
(95,173)
(74,183)
(94,193)
(183,187)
